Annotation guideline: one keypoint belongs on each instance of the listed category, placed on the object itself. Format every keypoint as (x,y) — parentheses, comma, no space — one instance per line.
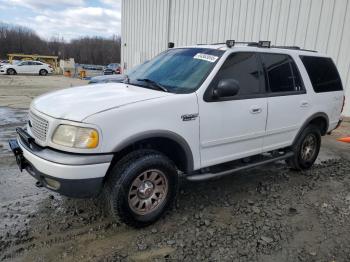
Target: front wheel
(306,148)
(142,186)
(11,71)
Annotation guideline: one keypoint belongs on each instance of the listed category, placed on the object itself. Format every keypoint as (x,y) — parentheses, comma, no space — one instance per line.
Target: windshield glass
(180,70)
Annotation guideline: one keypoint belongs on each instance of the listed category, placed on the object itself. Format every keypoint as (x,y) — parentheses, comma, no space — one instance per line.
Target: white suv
(27,67)
(203,111)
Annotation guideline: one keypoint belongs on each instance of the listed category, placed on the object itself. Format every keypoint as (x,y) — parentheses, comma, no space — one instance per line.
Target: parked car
(4,62)
(107,79)
(201,112)
(92,67)
(27,67)
(112,69)
(113,78)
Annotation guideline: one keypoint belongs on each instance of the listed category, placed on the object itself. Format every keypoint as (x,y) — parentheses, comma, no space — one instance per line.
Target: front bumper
(73,175)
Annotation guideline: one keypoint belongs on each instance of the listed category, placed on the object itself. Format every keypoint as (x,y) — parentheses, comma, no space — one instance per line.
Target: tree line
(86,50)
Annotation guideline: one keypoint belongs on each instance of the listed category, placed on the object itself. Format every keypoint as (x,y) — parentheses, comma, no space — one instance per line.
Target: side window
(242,67)
(323,74)
(282,73)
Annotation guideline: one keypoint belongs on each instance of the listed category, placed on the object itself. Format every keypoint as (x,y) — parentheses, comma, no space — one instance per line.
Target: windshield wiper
(153,83)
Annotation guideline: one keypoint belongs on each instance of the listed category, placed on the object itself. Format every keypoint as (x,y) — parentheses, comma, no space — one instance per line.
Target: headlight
(78,137)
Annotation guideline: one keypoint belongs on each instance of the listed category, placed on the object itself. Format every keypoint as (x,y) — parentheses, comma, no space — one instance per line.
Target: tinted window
(282,73)
(323,74)
(242,67)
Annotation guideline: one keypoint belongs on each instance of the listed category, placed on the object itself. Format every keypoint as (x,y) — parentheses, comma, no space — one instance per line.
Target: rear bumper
(339,123)
(335,127)
(73,175)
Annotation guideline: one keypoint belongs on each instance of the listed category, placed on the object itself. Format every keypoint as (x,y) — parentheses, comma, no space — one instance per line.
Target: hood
(77,103)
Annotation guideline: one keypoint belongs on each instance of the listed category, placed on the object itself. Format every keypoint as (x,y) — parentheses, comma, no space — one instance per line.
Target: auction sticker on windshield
(205,57)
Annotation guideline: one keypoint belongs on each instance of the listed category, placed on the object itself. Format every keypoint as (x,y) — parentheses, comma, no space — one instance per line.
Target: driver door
(23,68)
(234,127)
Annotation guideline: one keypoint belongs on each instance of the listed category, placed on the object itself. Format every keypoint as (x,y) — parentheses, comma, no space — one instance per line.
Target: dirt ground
(264,214)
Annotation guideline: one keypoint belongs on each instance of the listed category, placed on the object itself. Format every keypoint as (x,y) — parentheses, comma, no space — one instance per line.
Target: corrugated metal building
(323,25)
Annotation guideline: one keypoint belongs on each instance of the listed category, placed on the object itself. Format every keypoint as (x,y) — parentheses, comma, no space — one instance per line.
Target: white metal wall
(322,25)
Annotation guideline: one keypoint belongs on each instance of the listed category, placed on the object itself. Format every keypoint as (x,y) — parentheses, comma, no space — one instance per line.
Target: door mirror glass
(226,88)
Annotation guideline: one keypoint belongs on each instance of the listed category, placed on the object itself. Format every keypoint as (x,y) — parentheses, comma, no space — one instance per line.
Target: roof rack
(293,47)
(261,44)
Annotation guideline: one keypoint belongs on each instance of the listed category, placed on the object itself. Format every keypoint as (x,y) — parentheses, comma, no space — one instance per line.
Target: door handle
(304,104)
(255,110)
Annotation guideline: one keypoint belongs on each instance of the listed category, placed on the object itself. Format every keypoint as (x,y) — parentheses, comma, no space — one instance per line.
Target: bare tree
(86,50)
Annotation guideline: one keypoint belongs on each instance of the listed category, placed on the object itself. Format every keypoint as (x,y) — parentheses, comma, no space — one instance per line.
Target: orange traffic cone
(344,139)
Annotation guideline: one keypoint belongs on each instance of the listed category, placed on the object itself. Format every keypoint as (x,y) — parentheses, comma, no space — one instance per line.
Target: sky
(69,19)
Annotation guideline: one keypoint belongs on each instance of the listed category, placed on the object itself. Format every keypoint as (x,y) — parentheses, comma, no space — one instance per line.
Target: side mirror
(226,88)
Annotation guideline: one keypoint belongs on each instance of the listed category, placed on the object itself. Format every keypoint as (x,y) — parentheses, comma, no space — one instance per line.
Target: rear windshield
(323,74)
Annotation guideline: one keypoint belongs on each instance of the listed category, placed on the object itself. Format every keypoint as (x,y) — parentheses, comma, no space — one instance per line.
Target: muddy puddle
(10,118)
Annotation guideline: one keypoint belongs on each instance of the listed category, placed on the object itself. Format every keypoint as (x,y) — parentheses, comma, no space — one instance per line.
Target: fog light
(52,184)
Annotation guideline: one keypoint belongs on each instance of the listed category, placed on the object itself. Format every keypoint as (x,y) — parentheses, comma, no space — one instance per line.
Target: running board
(205,176)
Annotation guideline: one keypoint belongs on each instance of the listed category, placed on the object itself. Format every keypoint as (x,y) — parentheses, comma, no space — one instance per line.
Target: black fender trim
(307,122)
(161,134)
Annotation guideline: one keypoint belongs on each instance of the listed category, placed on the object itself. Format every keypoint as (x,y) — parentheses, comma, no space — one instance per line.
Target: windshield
(180,70)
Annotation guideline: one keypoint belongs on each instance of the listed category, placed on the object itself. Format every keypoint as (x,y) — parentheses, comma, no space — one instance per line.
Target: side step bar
(205,176)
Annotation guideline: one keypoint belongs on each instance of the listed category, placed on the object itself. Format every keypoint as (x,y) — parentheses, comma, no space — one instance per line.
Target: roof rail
(260,44)
(293,47)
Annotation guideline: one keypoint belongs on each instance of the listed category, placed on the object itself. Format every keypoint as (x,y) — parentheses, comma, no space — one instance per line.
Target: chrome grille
(39,126)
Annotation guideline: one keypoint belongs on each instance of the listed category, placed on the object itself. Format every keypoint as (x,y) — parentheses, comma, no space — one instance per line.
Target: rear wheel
(306,148)
(43,72)
(11,71)
(142,186)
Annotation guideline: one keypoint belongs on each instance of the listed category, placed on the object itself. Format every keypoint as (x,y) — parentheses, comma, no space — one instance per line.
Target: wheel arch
(171,144)
(11,68)
(319,119)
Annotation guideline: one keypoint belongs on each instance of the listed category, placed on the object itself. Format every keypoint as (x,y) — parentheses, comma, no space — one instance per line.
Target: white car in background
(26,67)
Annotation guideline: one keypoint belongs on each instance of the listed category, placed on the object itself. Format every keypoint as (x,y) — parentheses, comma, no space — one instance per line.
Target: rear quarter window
(323,74)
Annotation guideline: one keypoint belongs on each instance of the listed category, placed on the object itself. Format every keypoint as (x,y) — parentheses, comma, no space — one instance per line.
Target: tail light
(50,66)
(118,70)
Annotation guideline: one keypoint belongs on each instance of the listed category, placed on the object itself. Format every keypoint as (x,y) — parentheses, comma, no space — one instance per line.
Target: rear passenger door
(37,66)
(287,102)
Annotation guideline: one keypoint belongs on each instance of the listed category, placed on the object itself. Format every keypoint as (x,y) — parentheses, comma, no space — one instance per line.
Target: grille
(39,126)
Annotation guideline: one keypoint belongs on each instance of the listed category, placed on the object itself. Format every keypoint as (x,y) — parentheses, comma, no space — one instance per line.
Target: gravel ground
(264,214)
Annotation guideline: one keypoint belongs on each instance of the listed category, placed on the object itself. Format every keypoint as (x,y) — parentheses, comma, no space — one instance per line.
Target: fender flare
(12,69)
(160,134)
(308,120)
